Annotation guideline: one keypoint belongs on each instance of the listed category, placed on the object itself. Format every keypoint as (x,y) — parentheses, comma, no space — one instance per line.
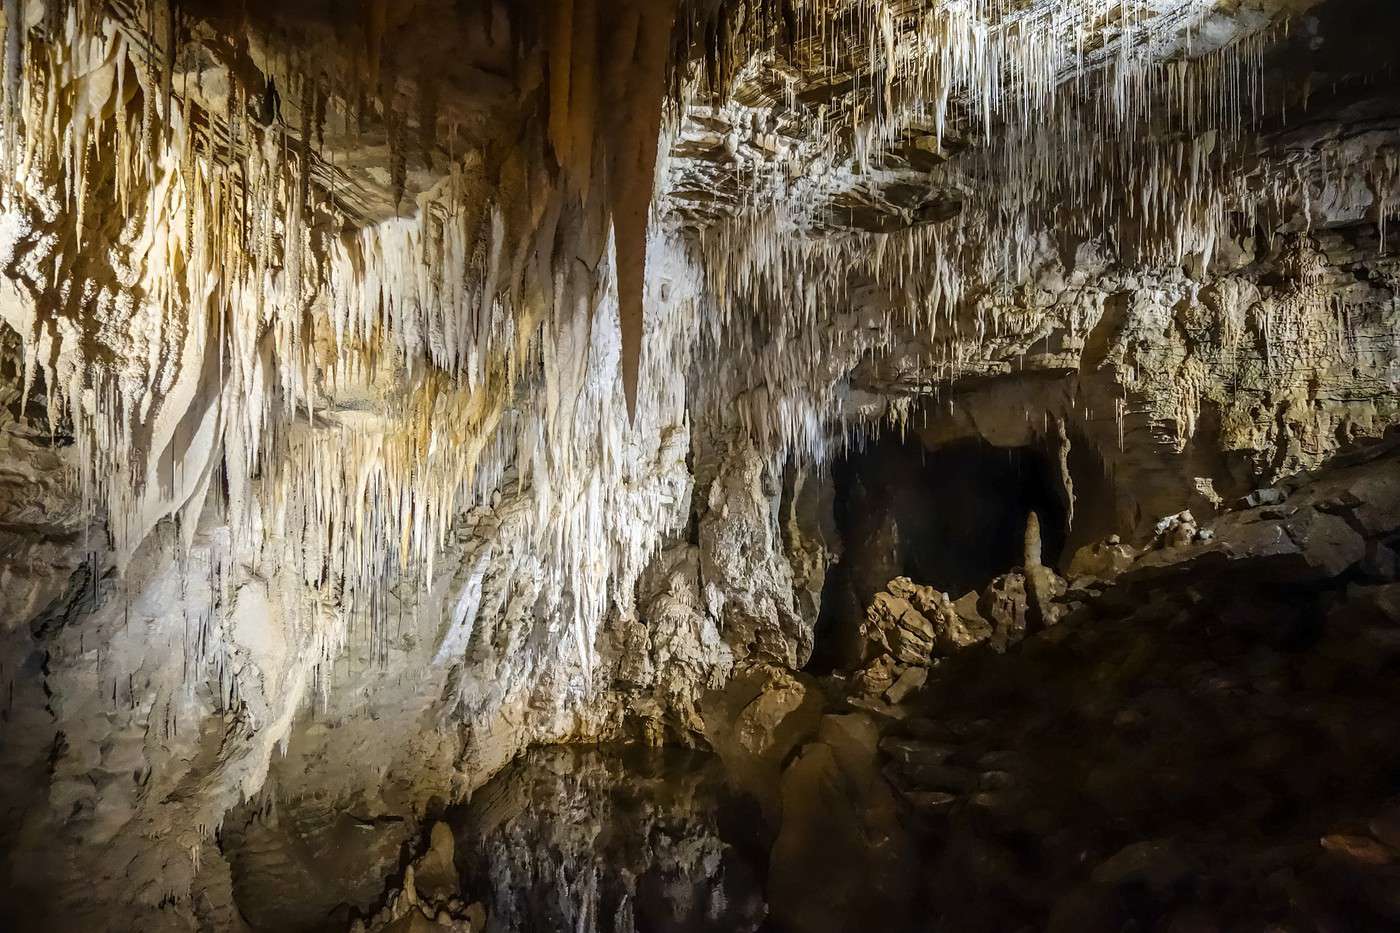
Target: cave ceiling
(839,110)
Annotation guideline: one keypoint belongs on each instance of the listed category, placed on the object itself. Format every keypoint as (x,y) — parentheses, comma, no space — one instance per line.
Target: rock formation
(387,388)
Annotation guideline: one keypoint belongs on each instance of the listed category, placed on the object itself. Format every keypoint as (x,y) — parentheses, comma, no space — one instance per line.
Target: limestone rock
(758,722)
(1004,605)
(673,653)
(747,578)
(911,680)
(970,627)
(1103,560)
(877,677)
(1176,530)
(1361,849)
(1318,534)
(435,872)
(913,623)
(1160,864)
(1044,587)
(895,624)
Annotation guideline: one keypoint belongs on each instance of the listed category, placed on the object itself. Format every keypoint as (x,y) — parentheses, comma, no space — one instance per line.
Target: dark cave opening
(953,518)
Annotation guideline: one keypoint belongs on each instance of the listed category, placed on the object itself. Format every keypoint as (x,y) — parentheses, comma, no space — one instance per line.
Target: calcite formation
(388,387)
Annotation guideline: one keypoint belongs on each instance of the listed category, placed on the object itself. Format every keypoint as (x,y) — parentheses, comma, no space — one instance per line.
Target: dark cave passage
(953,518)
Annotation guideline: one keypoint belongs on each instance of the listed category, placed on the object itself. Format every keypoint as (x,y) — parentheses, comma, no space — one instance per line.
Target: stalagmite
(1031,550)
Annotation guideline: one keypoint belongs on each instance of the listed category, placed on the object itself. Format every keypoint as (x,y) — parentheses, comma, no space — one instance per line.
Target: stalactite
(14,66)
(631,175)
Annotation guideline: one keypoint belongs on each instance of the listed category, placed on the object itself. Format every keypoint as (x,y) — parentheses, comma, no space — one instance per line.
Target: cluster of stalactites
(1080,119)
(1156,163)
(193,319)
(972,69)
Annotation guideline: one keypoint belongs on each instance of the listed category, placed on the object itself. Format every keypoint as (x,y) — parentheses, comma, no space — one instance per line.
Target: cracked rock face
(388,388)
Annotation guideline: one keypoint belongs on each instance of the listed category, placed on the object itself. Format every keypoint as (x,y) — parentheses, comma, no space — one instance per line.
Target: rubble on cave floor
(1209,744)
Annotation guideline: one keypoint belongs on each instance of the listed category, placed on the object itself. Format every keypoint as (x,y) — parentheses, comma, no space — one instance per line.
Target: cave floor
(1217,753)
(1221,755)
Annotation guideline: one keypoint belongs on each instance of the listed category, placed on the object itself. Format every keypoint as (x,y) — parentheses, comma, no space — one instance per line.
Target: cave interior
(662,466)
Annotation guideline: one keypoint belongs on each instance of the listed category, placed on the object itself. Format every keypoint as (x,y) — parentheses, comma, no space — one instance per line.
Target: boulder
(1104,560)
(914,624)
(1360,849)
(1160,864)
(964,627)
(1004,604)
(876,677)
(912,679)
(895,623)
(759,721)
(1176,530)
(435,873)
